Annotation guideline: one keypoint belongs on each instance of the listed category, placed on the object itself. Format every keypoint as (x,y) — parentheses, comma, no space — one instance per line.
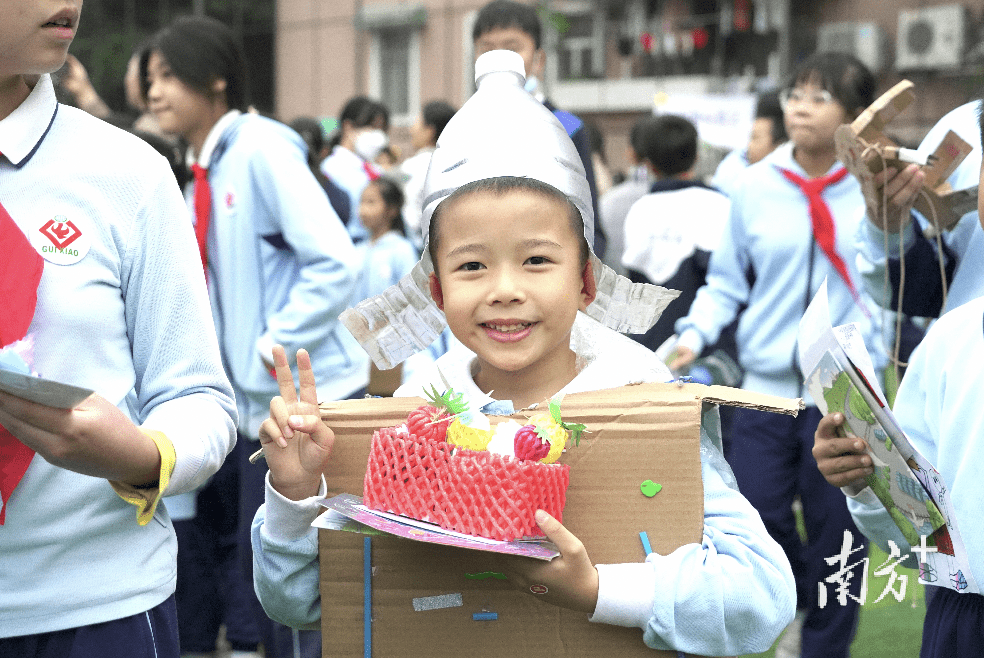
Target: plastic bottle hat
(500,131)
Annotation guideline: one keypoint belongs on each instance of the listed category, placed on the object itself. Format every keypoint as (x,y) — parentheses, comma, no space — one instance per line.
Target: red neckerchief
(370,170)
(20,274)
(824,230)
(203,211)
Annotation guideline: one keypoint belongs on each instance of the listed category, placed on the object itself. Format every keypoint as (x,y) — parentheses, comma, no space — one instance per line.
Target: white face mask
(370,143)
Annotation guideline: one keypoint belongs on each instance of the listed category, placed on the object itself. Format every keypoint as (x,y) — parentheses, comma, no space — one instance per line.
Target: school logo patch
(61,231)
(61,240)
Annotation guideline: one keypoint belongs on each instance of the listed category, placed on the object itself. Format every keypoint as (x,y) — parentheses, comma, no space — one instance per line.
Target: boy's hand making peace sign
(296,442)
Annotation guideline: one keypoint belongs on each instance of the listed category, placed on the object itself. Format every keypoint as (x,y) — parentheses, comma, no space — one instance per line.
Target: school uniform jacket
(122,310)
(938,406)
(768,261)
(281,265)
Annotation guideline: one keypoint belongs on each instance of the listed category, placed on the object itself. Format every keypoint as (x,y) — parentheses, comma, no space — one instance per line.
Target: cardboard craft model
(865,150)
(637,433)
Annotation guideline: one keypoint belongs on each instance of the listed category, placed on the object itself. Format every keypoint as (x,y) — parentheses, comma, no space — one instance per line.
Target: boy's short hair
(503,14)
(436,114)
(768,107)
(669,143)
(200,50)
(846,77)
(501,185)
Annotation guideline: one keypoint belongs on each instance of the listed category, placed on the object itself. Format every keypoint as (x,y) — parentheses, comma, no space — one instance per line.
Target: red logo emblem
(61,231)
(230,200)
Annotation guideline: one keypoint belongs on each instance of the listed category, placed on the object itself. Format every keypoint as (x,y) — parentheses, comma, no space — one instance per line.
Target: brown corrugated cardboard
(637,433)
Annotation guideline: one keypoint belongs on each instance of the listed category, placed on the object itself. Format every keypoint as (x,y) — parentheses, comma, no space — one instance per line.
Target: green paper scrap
(484,575)
(650,488)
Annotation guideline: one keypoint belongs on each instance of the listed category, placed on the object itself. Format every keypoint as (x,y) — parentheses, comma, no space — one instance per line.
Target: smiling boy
(512,288)
(509,218)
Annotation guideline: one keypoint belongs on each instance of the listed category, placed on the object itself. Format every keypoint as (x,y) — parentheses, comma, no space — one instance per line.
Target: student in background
(101,290)
(613,206)
(938,407)
(311,132)
(387,256)
(279,263)
(509,25)
(423,137)
(671,232)
(74,79)
(768,133)
(793,218)
(360,138)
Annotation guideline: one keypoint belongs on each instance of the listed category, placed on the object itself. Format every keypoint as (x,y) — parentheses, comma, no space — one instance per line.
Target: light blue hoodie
(769,261)
(281,265)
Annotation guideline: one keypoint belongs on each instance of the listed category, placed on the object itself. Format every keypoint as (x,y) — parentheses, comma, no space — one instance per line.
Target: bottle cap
(496,61)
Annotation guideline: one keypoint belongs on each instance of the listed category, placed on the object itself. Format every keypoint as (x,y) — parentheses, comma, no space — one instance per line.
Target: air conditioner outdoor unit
(866,41)
(931,38)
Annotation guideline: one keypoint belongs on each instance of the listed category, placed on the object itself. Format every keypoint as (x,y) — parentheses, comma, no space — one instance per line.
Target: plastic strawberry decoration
(553,431)
(430,421)
(529,445)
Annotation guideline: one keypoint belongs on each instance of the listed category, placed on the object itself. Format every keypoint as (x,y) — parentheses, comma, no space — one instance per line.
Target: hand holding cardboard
(569,581)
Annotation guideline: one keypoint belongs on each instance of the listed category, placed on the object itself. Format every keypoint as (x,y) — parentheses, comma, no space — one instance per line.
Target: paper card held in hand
(841,379)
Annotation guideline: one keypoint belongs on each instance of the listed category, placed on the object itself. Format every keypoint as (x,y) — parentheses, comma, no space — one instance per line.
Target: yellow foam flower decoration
(471,438)
(553,432)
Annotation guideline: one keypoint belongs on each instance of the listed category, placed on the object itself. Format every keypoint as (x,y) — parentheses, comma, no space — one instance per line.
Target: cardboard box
(637,433)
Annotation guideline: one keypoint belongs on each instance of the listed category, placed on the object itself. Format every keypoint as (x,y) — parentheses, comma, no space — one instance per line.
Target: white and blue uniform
(963,245)
(662,249)
(768,261)
(128,319)
(732,593)
(729,170)
(352,174)
(280,263)
(938,406)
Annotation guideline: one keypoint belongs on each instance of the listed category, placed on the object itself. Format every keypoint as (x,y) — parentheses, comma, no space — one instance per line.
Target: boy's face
(516,40)
(511,281)
(35,35)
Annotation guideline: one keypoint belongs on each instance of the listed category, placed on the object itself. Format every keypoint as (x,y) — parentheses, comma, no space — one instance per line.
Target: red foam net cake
(436,469)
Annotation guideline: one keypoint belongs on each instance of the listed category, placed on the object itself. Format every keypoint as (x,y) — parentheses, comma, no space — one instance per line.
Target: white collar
(22,131)
(212,140)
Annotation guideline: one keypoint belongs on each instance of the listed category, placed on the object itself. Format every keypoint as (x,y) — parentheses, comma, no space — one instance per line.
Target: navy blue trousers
(151,634)
(212,589)
(773,463)
(954,625)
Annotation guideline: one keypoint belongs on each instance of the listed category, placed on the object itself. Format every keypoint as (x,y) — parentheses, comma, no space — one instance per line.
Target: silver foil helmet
(500,131)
